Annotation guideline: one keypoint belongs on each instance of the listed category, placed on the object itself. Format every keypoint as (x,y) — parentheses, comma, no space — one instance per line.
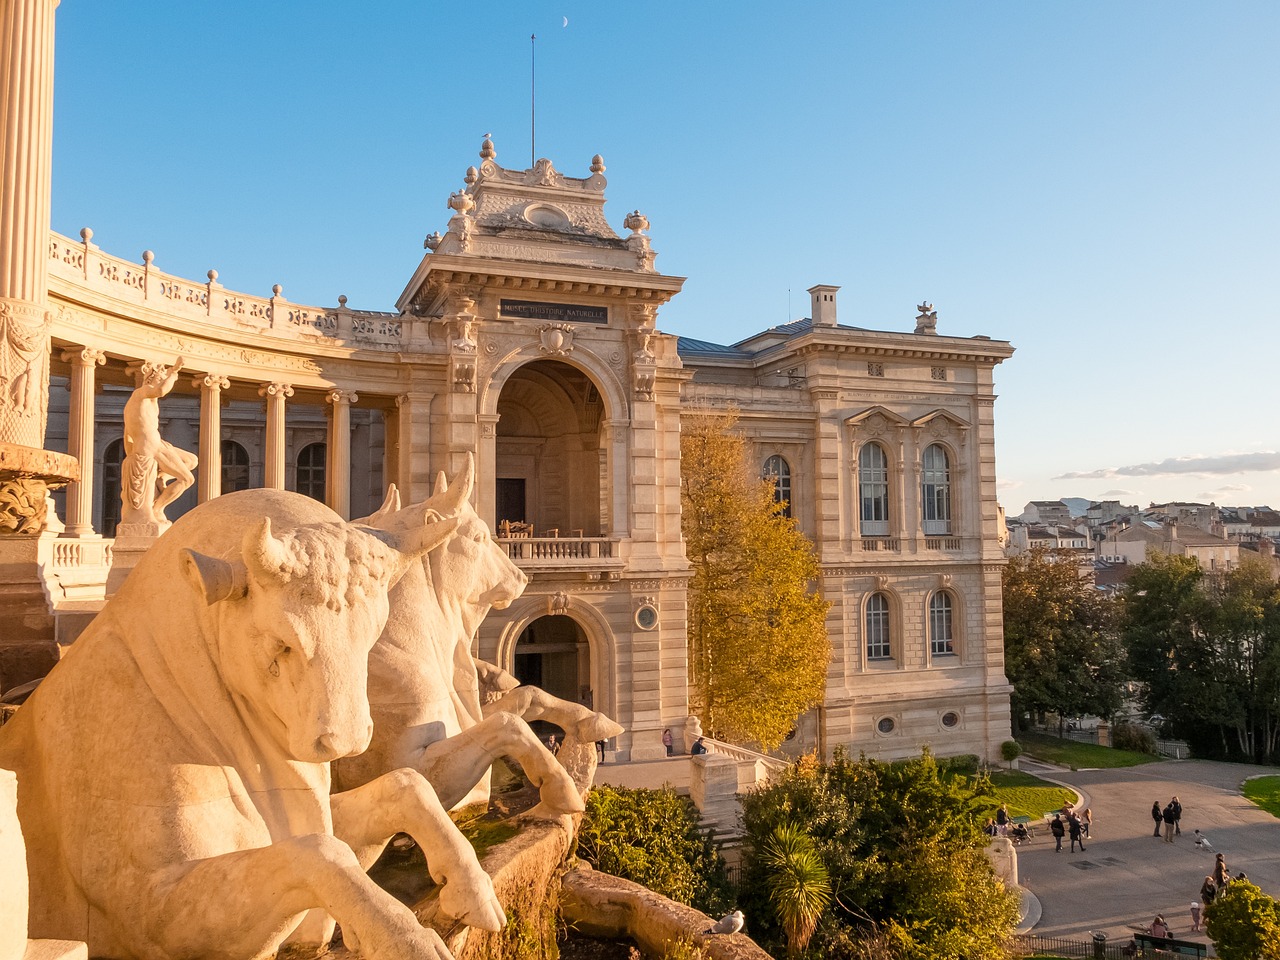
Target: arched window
(873,490)
(311,472)
(235,467)
(778,472)
(112,458)
(941,638)
(878,636)
(936,490)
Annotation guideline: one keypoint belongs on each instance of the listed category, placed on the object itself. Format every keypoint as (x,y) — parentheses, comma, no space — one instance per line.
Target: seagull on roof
(729,923)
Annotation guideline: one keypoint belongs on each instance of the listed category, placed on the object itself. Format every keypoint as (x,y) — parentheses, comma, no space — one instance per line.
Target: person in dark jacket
(1059,830)
(1155,815)
(1208,890)
(1076,830)
(1167,816)
(1177,816)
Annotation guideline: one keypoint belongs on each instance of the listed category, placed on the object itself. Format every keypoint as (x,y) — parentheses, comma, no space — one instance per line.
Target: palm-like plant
(799,886)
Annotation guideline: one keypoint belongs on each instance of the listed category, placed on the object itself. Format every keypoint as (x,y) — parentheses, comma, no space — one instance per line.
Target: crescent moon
(566,21)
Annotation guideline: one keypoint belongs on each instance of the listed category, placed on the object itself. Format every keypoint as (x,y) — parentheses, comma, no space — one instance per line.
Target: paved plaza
(1126,876)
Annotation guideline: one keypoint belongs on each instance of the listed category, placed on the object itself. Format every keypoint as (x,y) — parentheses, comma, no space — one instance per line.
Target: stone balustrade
(558,550)
(84,266)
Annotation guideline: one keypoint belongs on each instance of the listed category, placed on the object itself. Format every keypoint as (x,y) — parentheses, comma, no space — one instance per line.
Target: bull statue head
(296,618)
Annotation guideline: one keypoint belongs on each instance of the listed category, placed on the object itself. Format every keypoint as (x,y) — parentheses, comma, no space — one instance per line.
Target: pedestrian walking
(1208,890)
(1177,816)
(553,745)
(1195,916)
(1086,818)
(1156,816)
(1059,830)
(1167,817)
(1221,876)
(1075,827)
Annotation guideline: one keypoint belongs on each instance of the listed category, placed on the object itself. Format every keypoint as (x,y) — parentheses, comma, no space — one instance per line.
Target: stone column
(209,481)
(338,474)
(273,467)
(84,363)
(26,115)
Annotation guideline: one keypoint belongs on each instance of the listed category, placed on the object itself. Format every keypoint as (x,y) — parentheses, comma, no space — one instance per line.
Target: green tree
(903,851)
(758,644)
(653,838)
(1207,648)
(1244,923)
(799,885)
(1062,650)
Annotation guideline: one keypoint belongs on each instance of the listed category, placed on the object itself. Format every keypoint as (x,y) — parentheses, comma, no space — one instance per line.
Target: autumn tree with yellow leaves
(758,644)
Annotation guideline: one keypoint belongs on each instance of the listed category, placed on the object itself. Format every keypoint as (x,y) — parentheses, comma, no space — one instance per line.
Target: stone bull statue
(174,779)
(426,690)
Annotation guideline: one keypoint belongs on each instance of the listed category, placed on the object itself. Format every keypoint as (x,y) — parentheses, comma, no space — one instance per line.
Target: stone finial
(636,222)
(342,300)
(486,149)
(276,290)
(597,164)
(472,176)
(86,234)
(148,257)
(212,275)
(432,241)
(927,322)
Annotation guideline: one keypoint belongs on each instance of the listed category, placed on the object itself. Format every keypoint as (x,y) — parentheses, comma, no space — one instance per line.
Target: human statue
(155,472)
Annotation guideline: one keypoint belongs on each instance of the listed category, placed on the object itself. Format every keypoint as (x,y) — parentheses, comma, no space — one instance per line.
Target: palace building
(529,337)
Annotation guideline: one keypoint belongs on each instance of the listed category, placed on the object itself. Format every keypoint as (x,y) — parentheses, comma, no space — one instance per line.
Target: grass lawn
(1027,796)
(1265,792)
(1068,753)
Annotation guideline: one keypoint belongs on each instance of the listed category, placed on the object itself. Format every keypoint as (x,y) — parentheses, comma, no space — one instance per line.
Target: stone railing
(83,265)
(74,570)
(745,755)
(949,544)
(559,549)
(875,544)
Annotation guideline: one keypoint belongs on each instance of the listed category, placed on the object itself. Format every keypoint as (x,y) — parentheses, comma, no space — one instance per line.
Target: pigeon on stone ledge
(729,923)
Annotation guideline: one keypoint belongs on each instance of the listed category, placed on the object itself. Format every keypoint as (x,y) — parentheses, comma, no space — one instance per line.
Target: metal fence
(1030,946)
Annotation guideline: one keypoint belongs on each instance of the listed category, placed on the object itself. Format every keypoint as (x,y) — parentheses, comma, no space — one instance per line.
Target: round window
(886,725)
(950,719)
(647,617)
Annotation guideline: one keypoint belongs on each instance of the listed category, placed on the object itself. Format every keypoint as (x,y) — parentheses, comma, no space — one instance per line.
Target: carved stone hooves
(486,916)
(597,727)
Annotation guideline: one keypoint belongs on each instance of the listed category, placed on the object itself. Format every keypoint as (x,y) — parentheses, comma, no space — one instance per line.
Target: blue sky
(1094,181)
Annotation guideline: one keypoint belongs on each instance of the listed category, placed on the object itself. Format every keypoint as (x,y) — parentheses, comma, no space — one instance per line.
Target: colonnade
(84,362)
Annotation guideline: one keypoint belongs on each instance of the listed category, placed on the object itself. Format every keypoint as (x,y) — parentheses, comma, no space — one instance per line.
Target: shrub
(1130,736)
(652,837)
(1010,751)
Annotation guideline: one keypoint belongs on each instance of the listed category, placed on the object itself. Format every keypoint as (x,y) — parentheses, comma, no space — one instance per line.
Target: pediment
(942,419)
(876,417)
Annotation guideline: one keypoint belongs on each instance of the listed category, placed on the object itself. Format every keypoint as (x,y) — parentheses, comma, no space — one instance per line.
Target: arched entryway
(550,460)
(553,653)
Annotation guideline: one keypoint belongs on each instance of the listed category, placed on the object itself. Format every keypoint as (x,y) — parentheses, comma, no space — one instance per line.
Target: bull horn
(412,544)
(389,506)
(441,486)
(457,492)
(214,579)
(264,553)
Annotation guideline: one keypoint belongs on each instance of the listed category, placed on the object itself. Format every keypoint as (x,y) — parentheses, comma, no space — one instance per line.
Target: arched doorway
(550,461)
(553,653)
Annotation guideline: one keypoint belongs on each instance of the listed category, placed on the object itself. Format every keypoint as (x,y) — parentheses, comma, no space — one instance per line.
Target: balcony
(562,552)
(881,544)
(946,544)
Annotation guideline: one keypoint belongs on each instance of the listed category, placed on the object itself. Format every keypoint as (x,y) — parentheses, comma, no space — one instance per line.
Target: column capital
(84,356)
(341,397)
(211,381)
(276,390)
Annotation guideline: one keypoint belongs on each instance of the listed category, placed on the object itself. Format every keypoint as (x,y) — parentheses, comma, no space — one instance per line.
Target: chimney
(823,311)
(1266,548)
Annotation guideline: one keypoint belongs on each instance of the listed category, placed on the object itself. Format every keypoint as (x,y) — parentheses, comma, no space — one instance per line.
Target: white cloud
(1122,493)
(1224,464)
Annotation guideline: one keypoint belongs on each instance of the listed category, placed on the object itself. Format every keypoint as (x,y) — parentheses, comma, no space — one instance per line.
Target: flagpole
(533,99)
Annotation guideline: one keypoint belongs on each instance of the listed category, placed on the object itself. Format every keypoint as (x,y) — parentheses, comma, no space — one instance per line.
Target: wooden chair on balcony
(515,530)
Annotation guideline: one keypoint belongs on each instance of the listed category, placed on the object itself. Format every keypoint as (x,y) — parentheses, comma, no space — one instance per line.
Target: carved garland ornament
(23,506)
